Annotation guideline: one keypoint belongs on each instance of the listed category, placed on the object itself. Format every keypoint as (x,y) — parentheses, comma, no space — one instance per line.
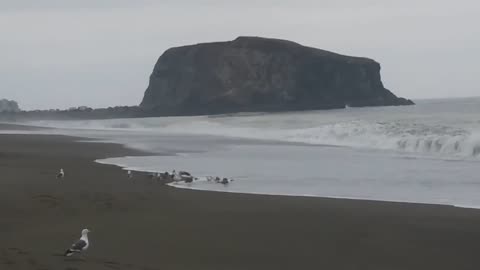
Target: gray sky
(60,53)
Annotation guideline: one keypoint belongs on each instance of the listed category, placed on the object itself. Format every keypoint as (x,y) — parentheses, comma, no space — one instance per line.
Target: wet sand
(142,224)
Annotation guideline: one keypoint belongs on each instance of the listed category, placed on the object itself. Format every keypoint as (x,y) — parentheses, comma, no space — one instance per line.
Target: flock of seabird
(182,176)
(82,244)
(175,177)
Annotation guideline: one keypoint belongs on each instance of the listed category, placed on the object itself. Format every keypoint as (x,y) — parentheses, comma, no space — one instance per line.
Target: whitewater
(427,153)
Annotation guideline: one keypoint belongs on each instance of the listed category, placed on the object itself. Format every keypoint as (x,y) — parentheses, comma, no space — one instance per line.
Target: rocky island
(247,74)
(262,74)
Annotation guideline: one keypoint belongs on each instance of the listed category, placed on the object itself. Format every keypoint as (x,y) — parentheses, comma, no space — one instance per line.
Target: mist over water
(425,153)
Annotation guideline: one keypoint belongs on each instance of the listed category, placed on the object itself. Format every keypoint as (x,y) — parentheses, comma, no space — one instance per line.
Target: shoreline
(142,224)
(200,189)
(319,197)
(14,127)
(182,187)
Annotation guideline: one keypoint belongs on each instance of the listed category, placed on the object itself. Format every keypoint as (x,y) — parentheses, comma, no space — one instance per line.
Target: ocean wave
(407,135)
(394,136)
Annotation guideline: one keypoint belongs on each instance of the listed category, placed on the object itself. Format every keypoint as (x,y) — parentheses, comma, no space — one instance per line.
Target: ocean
(427,153)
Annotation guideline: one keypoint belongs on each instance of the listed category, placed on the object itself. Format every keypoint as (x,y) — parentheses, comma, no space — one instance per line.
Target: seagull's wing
(79,245)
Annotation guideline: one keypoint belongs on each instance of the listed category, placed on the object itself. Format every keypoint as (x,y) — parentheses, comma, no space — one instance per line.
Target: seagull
(182,176)
(225,181)
(185,176)
(79,246)
(176,177)
(61,174)
(129,174)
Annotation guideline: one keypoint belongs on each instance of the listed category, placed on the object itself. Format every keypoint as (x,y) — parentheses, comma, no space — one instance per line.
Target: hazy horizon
(101,53)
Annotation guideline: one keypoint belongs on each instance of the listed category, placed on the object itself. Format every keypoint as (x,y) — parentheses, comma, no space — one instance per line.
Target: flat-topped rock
(262,74)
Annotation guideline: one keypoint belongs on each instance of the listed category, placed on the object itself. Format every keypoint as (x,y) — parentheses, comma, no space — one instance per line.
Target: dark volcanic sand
(140,224)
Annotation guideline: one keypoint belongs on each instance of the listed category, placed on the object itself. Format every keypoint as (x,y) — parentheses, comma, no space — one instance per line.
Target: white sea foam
(429,129)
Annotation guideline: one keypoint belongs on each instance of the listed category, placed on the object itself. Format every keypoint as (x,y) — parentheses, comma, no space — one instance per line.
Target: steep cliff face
(259,74)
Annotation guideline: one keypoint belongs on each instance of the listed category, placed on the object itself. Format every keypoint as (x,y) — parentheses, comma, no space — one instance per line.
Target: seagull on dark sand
(61,174)
(79,246)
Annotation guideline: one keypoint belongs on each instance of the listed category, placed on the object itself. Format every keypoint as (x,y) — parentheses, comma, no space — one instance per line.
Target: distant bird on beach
(129,174)
(182,176)
(225,181)
(176,177)
(186,176)
(219,180)
(79,246)
(61,174)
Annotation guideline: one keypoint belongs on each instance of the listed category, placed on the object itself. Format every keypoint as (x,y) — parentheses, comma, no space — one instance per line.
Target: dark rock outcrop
(260,74)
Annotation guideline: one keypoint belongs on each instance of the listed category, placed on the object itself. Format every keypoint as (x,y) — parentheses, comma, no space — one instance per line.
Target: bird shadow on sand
(69,259)
(76,262)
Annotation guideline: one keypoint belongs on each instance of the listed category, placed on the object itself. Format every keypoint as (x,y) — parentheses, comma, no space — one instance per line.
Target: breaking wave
(394,136)
(407,135)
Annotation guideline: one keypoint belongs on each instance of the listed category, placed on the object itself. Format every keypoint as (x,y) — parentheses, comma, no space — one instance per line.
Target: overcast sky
(62,53)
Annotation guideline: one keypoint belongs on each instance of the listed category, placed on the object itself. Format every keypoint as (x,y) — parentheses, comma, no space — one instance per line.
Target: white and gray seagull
(79,246)
(61,174)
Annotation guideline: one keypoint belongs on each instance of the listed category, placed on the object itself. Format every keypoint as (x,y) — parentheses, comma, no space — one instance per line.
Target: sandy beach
(143,224)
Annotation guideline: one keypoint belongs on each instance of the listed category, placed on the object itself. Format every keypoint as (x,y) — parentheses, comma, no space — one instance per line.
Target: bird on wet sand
(61,174)
(80,245)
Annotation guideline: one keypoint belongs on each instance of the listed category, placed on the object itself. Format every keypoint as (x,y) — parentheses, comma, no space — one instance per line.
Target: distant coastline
(110,113)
